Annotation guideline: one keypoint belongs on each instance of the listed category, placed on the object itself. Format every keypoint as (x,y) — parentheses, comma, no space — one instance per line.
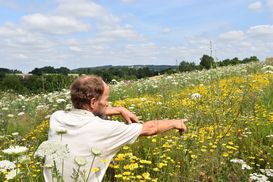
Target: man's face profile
(101,104)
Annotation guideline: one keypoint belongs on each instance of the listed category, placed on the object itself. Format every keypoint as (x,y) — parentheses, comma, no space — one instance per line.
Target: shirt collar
(82,112)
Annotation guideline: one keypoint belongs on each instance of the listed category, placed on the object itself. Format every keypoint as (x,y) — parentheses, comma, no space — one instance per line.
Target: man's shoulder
(59,114)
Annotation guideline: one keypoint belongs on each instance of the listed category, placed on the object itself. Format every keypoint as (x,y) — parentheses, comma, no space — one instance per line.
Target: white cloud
(22,56)
(270,4)
(75,48)
(33,39)
(255,6)
(10,30)
(127,1)
(107,24)
(261,30)
(84,8)
(233,35)
(256,40)
(120,32)
(53,24)
(109,41)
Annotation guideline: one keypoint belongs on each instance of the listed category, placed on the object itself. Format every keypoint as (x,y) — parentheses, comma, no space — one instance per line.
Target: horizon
(90,67)
(85,33)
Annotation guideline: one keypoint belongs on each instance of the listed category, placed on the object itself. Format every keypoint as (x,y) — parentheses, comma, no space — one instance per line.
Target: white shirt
(84,132)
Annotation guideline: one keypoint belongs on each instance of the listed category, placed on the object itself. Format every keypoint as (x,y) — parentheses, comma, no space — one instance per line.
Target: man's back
(85,132)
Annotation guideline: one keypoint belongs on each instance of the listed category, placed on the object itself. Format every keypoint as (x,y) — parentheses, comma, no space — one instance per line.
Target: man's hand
(126,114)
(180,125)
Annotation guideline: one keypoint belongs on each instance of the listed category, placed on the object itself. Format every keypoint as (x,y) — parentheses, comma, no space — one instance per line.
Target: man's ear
(92,103)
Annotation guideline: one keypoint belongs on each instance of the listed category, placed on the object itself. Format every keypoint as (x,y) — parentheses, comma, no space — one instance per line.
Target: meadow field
(229,137)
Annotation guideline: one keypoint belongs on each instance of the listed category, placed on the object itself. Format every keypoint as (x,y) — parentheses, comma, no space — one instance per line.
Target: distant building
(24,75)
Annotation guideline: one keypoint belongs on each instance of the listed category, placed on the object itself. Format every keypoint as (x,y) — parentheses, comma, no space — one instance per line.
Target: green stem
(62,168)
(52,178)
(28,170)
(97,178)
(16,167)
(77,174)
(90,168)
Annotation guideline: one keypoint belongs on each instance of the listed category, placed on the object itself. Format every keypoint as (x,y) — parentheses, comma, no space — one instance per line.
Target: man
(86,131)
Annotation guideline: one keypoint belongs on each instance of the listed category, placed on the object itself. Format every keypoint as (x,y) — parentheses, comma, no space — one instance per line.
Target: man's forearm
(110,111)
(126,114)
(159,126)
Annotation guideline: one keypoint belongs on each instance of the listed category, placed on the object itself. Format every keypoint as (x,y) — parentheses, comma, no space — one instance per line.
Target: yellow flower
(160,165)
(125,148)
(146,175)
(225,154)
(145,162)
(126,173)
(104,160)
(214,146)
(4,171)
(116,166)
(251,157)
(118,176)
(95,169)
(131,167)
(230,143)
(193,156)
(120,157)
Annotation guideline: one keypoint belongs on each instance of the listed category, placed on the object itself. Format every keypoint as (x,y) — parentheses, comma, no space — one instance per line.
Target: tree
(207,62)
(186,66)
(235,61)
(253,59)
(63,70)
(36,71)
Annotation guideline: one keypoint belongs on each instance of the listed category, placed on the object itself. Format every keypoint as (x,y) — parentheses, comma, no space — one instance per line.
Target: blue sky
(85,33)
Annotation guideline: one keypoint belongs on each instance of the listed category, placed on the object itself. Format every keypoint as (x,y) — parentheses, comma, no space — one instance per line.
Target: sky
(86,33)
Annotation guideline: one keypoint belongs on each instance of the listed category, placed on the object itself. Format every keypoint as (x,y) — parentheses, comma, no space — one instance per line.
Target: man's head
(90,93)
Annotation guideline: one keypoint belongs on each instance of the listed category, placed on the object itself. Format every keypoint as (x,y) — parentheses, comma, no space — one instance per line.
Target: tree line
(208,62)
(48,79)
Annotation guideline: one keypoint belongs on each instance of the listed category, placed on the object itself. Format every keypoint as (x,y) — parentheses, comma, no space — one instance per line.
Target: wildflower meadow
(229,137)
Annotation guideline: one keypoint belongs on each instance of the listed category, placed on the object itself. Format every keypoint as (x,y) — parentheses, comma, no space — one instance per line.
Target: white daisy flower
(195,96)
(12,174)
(21,113)
(52,151)
(60,101)
(95,152)
(61,130)
(80,161)
(6,165)
(15,150)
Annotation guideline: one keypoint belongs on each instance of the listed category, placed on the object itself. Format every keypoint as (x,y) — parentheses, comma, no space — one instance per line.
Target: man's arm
(159,126)
(126,114)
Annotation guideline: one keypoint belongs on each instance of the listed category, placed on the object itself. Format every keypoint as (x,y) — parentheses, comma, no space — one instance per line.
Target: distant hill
(151,67)
(6,70)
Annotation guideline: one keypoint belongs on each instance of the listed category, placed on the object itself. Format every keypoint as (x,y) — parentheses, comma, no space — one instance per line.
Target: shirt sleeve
(122,134)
